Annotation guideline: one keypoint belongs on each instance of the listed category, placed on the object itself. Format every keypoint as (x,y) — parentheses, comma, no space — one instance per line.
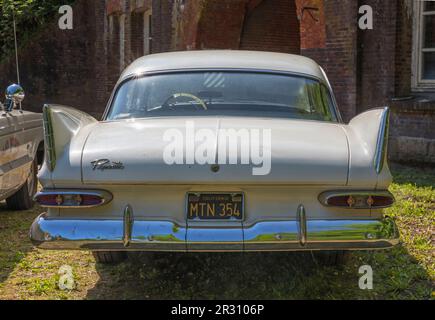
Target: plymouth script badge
(106,164)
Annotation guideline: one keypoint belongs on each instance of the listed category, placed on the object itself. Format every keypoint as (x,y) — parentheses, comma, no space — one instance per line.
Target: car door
(9,127)
(23,146)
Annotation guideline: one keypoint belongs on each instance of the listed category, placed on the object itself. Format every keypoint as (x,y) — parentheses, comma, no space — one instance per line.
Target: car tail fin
(60,125)
(371,128)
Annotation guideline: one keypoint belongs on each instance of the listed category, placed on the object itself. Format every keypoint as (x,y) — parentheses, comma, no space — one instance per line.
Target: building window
(141,33)
(424,46)
(137,34)
(147,31)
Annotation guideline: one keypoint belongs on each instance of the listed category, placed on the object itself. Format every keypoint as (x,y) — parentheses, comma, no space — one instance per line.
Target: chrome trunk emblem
(106,164)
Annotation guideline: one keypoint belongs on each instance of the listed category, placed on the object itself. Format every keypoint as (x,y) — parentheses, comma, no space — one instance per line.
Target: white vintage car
(216,151)
(21,151)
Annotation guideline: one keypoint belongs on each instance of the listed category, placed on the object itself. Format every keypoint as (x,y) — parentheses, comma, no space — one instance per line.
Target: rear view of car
(215,151)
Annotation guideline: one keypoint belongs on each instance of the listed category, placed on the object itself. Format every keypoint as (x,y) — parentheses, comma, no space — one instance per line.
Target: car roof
(224,59)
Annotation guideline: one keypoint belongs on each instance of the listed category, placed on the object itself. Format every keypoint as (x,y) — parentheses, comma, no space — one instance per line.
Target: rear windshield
(222,94)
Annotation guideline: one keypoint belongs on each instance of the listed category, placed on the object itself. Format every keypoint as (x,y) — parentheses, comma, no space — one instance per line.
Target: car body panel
(139,145)
(224,59)
(20,136)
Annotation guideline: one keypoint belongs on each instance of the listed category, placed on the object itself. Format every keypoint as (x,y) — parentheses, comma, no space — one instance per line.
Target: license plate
(215,206)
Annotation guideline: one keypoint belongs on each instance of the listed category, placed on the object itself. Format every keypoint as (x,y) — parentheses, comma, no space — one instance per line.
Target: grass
(404,272)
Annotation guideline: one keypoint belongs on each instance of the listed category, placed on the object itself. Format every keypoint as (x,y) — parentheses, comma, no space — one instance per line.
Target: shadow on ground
(259,276)
(205,276)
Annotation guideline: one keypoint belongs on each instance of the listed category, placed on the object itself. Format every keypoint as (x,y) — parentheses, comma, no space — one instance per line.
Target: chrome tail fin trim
(382,141)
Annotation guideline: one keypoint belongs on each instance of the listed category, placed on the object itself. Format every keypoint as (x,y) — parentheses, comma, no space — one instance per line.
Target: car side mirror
(14,96)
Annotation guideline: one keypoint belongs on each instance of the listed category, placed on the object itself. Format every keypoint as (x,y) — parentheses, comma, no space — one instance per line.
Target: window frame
(418,83)
(334,107)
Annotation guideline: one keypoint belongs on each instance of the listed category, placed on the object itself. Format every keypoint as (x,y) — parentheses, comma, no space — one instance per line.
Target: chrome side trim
(105,196)
(49,144)
(325,196)
(334,100)
(147,235)
(382,142)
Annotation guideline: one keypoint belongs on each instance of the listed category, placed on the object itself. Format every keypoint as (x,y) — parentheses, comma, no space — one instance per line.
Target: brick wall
(376,57)
(80,67)
(311,16)
(268,25)
(339,55)
(366,68)
(403,56)
(412,137)
(272,26)
(162,25)
(137,34)
(61,66)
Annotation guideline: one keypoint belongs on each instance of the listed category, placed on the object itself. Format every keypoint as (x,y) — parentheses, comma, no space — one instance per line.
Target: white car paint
(308,158)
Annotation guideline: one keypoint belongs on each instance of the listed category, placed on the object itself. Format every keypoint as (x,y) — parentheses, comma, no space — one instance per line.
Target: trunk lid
(132,152)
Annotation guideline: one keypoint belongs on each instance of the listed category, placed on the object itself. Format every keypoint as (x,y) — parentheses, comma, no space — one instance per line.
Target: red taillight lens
(339,201)
(47,200)
(351,201)
(65,200)
(382,201)
(356,200)
(88,200)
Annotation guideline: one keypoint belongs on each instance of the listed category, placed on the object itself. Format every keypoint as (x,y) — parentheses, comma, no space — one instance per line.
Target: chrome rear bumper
(290,235)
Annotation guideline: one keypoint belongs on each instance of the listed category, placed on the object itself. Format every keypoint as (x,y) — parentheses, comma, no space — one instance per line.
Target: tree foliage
(30,15)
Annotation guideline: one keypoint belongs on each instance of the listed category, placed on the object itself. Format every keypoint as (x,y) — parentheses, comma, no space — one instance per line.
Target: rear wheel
(332,258)
(109,257)
(23,198)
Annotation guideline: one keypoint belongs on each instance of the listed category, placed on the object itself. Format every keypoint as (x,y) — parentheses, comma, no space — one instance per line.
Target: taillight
(357,200)
(382,201)
(48,200)
(72,199)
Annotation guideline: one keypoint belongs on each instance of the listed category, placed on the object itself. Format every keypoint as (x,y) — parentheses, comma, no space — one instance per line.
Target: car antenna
(16,48)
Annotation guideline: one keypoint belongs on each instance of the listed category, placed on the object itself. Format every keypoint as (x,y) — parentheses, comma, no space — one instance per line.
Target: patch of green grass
(404,272)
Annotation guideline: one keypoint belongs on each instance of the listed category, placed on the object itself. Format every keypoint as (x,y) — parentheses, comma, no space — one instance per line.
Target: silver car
(158,173)
(21,151)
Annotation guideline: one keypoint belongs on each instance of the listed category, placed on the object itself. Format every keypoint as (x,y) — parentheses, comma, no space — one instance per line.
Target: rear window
(222,94)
